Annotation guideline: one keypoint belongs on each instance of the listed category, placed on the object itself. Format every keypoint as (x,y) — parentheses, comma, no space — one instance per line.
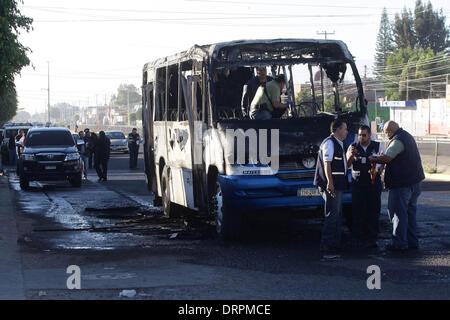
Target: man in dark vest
(331,178)
(402,177)
(366,193)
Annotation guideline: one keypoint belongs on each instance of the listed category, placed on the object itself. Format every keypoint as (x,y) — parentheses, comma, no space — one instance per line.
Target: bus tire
(170,209)
(229,224)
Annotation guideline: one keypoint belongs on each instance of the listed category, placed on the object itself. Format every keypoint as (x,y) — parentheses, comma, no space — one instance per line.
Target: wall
(430,116)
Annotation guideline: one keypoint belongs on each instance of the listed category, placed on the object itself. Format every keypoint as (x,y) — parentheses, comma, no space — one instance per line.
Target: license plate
(308,192)
(50,167)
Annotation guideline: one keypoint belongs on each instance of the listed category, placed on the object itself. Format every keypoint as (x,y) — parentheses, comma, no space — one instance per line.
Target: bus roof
(254,52)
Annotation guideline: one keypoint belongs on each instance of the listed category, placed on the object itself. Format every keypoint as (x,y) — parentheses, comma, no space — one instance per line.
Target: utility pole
(325,33)
(48,90)
(128,107)
(375,104)
(407,91)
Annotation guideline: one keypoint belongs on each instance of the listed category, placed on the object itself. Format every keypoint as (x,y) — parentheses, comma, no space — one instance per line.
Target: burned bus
(202,153)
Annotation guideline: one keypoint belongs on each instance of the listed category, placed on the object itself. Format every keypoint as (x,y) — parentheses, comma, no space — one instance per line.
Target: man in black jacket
(12,148)
(133,146)
(402,177)
(89,140)
(102,150)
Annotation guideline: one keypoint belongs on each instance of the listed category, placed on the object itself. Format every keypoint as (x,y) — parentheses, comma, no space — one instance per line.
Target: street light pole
(48,90)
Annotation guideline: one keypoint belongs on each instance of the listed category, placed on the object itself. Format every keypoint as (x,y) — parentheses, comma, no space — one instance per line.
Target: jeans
(134,151)
(101,166)
(12,157)
(85,160)
(260,114)
(366,206)
(331,232)
(402,208)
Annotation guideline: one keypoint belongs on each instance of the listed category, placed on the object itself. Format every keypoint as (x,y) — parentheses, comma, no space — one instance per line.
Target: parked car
(49,154)
(119,142)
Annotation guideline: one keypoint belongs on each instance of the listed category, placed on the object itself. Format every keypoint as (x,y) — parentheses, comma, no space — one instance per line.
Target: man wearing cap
(133,145)
(251,87)
(267,99)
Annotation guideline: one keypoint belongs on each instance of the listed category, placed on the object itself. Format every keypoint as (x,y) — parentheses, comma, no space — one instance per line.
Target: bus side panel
(147,126)
(180,162)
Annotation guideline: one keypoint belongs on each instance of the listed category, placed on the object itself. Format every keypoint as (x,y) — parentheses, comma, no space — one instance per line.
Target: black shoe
(105,179)
(100,179)
(395,248)
(413,247)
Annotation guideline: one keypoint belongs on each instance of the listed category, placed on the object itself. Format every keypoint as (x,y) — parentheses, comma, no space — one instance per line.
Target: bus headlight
(309,162)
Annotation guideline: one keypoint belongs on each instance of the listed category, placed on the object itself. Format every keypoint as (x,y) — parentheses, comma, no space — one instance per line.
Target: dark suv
(49,154)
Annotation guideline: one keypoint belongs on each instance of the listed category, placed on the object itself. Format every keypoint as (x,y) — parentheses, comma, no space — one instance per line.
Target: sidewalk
(11,277)
(437,177)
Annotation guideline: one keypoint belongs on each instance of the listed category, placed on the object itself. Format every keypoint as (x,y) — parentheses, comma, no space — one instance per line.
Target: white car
(118,140)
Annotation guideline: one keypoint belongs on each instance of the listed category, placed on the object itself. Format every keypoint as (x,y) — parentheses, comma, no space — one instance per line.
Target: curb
(437,177)
(11,277)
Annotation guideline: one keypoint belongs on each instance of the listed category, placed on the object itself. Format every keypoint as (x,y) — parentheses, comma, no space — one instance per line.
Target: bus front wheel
(228,223)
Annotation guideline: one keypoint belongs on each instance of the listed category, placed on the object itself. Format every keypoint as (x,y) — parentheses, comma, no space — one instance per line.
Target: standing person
(268,99)
(102,145)
(331,178)
(82,150)
(250,88)
(133,145)
(402,177)
(19,138)
(12,148)
(366,194)
(89,140)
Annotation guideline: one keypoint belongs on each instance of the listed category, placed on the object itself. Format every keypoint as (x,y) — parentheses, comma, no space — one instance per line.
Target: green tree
(8,105)
(127,94)
(76,117)
(384,45)
(430,28)
(403,30)
(408,73)
(139,114)
(13,55)
(132,117)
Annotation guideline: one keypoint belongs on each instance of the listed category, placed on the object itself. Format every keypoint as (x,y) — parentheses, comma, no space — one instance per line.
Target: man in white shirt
(331,178)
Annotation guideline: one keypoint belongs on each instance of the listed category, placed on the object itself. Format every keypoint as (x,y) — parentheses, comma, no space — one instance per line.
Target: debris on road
(127,293)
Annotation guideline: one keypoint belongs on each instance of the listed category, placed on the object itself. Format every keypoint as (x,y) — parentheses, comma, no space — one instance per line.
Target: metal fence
(434,151)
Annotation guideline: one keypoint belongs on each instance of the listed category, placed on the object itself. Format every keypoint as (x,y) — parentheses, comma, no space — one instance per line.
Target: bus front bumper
(245,193)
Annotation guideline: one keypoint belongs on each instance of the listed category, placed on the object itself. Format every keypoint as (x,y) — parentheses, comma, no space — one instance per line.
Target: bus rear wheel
(229,224)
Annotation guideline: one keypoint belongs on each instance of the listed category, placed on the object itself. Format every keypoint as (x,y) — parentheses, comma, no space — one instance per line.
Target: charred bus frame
(199,91)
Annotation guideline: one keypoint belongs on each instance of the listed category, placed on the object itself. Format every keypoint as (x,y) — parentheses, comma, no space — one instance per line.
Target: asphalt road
(120,241)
